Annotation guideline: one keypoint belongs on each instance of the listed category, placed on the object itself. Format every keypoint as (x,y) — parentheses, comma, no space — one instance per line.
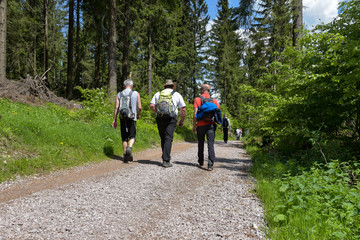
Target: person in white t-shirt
(166,122)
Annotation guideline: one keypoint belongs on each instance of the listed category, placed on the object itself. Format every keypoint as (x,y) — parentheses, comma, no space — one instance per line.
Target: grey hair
(128,83)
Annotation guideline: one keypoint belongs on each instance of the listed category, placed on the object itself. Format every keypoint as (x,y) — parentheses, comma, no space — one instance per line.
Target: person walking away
(128,106)
(165,105)
(237,134)
(225,125)
(205,126)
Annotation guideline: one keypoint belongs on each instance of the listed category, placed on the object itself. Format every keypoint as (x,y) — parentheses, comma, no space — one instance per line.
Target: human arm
(152,103)
(152,107)
(182,116)
(139,107)
(114,123)
(194,121)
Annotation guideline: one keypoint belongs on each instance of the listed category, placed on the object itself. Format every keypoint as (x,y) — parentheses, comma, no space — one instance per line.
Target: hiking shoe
(129,154)
(166,164)
(125,158)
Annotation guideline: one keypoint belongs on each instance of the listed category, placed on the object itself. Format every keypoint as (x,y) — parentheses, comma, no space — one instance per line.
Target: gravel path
(145,201)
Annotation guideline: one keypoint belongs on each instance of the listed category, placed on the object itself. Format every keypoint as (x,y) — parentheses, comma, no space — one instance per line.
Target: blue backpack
(206,111)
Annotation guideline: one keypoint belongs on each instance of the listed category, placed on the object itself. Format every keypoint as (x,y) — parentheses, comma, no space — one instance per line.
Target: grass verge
(35,140)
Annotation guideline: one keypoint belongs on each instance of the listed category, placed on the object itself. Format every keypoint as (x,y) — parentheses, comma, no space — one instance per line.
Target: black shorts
(128,129)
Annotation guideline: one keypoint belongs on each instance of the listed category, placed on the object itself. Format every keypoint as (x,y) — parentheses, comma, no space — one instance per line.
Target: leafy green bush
(318,204)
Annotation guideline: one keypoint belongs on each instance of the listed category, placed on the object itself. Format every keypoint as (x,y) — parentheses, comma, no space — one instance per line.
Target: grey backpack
(125,109)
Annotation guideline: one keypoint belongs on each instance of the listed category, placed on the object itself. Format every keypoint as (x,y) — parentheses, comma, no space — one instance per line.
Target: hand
(114,124)
(181,123)
(194,130)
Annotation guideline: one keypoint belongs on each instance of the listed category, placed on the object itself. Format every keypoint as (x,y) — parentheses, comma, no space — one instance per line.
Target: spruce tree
(224,51)
(2,40)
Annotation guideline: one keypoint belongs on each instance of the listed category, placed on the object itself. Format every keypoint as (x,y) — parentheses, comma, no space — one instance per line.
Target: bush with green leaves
(323,203)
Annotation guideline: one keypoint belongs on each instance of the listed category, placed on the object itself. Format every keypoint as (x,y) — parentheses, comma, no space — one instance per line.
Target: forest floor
(138,200)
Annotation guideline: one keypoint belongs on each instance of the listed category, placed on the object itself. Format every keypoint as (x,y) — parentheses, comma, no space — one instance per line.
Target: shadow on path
(117,158)
(149,162)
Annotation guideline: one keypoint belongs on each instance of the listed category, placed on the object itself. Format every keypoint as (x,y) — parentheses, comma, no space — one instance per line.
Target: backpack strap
(203,99)
(130,105)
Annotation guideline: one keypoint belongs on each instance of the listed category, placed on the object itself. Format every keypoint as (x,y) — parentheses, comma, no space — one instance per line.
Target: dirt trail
(31,185)
(139,200)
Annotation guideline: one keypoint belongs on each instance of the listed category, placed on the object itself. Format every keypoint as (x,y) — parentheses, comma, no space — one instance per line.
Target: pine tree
(2,40)
(225,51)
(112,49)
(200,19)
(70,55)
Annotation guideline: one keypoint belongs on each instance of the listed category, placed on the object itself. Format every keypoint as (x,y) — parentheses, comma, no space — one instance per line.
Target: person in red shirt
(205,128)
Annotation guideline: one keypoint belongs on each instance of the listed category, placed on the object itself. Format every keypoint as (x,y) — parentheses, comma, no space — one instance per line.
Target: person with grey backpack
(128,107)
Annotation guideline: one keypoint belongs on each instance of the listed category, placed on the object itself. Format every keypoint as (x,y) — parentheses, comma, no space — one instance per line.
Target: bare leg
(124,146)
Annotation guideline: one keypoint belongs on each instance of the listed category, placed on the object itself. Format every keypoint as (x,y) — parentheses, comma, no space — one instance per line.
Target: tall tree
(225,49)
(2,40)
(77,44)
(46,40)
(125,64)
(297,21)
(70,53)
(112,48)
(200,19)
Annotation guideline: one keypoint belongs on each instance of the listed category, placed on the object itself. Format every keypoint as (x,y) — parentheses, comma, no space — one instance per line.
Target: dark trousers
(226,134)
(209,132)
(166,129)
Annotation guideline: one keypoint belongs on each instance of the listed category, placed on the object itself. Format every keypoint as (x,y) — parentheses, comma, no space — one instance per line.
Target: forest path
(139,200)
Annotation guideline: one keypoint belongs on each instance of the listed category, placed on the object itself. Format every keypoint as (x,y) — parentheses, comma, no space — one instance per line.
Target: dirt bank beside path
(144,201)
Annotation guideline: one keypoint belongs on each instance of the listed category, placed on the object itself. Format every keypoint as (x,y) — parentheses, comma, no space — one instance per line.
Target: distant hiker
(238,133)
(165,105)
(225,125)
(204,123)
(128,106)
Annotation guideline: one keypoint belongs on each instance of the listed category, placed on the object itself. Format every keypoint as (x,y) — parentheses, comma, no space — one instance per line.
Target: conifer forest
(294,91)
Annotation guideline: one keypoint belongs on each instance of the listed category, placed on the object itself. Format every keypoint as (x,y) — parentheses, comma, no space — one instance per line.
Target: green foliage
(311,93)
(320,202)
(41,139)
(96,104)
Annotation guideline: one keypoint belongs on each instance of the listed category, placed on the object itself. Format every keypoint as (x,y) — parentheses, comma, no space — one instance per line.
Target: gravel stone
(145,201)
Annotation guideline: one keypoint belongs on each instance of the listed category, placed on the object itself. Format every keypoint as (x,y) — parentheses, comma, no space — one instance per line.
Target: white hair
(128,83)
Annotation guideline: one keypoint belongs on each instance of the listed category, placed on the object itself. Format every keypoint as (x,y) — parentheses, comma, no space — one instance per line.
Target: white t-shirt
(176,97)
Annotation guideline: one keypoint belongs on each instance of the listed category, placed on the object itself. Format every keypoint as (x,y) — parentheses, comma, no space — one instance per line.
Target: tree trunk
(150,58)
(55,68)
(46,42)
(112,49)
(69,86)
(97,62)
(35,55)
(125,50)
(77,49)
(2,40)
(297,22)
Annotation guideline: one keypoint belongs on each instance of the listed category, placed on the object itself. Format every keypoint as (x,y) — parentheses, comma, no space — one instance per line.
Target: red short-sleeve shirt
(197,104)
